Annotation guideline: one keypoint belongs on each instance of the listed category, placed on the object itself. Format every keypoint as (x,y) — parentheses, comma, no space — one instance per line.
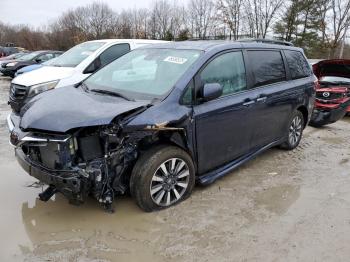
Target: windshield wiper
(111,93)
(82,85)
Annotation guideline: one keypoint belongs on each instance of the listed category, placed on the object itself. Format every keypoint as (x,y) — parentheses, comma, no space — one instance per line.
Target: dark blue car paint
(59,111)
(219,134)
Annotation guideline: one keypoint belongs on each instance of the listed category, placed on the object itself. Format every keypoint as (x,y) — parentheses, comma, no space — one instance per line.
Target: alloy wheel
(169,182)
(295,130)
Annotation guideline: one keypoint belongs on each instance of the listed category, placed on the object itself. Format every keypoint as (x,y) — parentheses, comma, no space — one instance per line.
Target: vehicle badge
(326,94)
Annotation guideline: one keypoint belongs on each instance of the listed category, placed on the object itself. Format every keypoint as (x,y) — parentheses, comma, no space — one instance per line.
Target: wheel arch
(177,138)
(305,113)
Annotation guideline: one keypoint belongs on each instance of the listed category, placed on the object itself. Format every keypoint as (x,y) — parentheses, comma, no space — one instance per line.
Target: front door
(223,125)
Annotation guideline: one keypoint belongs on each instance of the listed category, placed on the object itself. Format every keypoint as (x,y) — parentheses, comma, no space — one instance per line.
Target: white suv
(71,68)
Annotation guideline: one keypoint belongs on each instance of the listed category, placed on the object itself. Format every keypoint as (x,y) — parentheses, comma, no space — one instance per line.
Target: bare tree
(339,20)
(319,26)
(89,22)
(230,12)
(140,22)
(201,15)
(261,14)
(178,20)
(161,18)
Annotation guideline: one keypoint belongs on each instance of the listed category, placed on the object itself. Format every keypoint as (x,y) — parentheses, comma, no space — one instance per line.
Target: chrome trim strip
(10,124)
(59,140)
(45,140)
(39,139)
(33,139)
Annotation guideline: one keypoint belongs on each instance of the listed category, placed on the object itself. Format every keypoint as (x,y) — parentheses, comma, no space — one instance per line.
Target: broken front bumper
(69,183)
(322,116)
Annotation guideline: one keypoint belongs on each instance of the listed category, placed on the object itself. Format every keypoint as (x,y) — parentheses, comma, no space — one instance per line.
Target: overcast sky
(39,12)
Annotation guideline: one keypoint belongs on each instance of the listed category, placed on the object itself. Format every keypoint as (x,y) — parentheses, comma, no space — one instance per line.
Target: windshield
(29,56)
(18,55)
(12,56)
(49,62)
(144,74)
(77,54)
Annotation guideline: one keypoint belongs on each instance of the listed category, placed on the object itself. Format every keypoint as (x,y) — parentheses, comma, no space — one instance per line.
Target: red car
(333,92)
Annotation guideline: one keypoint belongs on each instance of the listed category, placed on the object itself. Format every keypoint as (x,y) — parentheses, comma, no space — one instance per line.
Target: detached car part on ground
(160,118)
(333,92)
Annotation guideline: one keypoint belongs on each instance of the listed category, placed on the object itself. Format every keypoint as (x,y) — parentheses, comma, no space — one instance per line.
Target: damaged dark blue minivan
(161,118)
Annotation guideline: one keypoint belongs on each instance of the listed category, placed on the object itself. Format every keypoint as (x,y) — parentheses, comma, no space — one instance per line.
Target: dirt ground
(282,206)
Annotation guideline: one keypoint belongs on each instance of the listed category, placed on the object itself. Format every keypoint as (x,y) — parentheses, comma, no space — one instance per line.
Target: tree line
(318,26)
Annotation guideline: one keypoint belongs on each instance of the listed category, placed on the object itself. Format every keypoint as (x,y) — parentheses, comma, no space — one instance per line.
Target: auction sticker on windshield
(175,60)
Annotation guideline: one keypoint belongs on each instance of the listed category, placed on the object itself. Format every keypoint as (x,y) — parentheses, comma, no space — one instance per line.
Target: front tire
(295,131)
(162,177)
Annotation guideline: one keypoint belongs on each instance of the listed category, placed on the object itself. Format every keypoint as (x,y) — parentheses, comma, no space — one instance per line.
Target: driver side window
(228,70)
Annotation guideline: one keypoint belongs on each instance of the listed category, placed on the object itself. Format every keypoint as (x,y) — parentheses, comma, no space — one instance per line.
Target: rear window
(297,63)
(267,66)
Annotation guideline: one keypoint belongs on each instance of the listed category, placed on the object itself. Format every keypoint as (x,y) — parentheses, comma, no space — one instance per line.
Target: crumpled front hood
(332,67)
(66,108)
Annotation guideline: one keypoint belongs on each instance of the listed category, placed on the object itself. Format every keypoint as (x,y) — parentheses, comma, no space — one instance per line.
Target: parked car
(72,67)
(333,93)
(37,57)
(9,50)
(162,117)
(2,52)
(30,68)
(12,57)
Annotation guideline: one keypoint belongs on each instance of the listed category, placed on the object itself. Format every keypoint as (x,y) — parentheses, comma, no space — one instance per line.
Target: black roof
(207,45)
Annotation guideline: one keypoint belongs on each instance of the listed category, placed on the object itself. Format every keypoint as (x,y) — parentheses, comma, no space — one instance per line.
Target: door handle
(248,103)
(261,99)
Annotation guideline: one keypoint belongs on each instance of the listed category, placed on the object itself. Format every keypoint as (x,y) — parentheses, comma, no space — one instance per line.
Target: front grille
(329,95)
(18,92)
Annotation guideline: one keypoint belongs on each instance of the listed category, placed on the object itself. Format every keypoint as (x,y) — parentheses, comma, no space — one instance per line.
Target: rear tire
(294,132)
(162,177)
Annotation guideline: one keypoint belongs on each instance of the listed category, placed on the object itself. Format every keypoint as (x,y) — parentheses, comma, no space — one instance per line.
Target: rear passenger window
(228,70)
(113,53)
(297,63)
(267,66)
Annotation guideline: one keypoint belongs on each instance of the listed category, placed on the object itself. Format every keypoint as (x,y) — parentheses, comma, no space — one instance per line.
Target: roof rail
(266,41)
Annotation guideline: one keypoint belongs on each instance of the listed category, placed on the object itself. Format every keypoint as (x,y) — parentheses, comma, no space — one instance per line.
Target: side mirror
(211,91)
(38,60)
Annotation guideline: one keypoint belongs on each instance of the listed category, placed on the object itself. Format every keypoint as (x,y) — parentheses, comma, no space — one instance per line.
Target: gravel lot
(282,206)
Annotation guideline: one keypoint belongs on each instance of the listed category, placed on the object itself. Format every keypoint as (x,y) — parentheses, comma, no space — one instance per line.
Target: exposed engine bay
(91,161)
(333,93)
